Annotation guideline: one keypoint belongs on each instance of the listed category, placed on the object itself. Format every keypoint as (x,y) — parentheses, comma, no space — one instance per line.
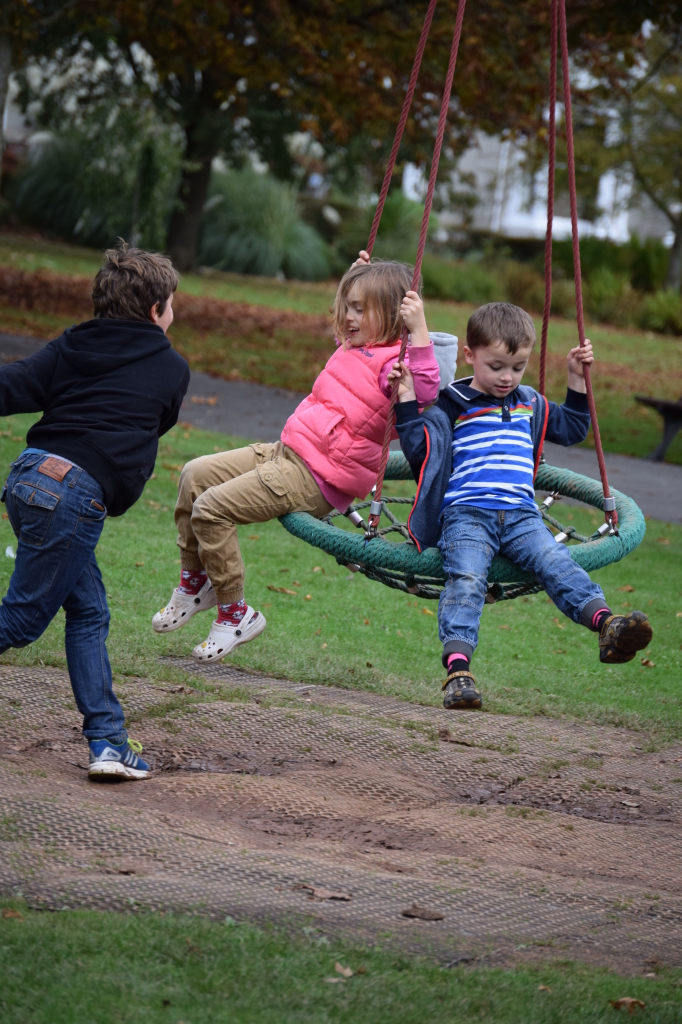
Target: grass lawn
(342,630)
(629,362)
(72,967)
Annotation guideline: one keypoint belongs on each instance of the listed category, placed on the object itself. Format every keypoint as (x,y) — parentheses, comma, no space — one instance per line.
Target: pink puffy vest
(338,430)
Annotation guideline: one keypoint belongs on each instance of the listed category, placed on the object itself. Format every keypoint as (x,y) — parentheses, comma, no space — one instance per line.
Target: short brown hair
(500,321)
(383,284)
(131,282)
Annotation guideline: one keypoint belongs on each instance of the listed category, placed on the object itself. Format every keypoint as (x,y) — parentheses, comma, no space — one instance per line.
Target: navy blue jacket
(426,440)
(107,390)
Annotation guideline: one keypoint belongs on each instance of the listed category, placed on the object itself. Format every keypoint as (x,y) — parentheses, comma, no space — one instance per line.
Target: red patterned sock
(191,581)
(231,614)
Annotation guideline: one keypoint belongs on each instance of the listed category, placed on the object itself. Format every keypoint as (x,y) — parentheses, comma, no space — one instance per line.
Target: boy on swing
(475,454)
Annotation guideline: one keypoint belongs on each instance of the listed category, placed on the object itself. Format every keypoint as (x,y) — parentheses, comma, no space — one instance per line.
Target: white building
(509,207)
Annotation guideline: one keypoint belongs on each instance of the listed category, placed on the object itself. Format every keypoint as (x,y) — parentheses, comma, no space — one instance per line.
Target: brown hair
(382,284)
(500,321)
(131,282)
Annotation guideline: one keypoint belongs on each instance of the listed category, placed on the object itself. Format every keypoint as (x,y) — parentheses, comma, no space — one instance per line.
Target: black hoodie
(107,389)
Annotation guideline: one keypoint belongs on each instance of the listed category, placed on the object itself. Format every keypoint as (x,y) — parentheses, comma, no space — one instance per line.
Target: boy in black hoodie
(108,388)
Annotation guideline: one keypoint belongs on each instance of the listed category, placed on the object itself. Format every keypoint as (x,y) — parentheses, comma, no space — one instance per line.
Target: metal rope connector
(355,518)
(550,499)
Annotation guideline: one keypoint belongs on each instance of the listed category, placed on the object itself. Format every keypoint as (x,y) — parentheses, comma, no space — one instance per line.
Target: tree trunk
(183,233)
(5,71)
(674,277)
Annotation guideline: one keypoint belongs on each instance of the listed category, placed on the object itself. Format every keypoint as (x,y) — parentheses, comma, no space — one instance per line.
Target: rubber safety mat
(333,810)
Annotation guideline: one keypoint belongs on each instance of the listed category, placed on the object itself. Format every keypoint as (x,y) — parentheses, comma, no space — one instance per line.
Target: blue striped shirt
(492,460)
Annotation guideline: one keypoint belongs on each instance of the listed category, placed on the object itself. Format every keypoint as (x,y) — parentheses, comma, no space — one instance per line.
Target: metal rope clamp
(609,509)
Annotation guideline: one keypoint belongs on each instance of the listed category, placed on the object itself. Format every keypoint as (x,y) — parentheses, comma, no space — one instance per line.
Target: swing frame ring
(402,567)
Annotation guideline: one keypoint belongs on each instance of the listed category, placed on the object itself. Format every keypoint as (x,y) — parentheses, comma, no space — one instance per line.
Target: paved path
(259,413)
(299,804)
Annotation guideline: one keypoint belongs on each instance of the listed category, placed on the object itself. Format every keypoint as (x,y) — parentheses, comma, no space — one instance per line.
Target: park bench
(672,421)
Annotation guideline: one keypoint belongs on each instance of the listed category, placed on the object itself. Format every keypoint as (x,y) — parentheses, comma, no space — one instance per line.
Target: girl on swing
(327,456)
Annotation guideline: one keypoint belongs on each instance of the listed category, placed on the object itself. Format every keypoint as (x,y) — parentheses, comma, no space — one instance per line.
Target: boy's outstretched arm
(569,423)
(24,384)
(171,417)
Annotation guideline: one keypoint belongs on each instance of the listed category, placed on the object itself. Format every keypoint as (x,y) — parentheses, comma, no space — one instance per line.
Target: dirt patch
(521,836)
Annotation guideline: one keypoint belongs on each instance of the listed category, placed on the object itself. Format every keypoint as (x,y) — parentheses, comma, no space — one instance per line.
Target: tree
(652,129)
(240,74)
(28,27)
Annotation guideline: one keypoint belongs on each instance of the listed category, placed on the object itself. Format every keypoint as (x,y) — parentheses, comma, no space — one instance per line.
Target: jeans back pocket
(35,507)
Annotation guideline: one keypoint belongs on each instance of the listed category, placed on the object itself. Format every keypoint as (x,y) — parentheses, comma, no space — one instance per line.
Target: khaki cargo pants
(248,485)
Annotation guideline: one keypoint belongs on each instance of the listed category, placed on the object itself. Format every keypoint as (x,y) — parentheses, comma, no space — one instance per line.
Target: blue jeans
(470,539)
(58,525)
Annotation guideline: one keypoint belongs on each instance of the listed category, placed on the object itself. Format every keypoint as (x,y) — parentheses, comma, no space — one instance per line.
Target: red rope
(610,516)
(374,518)
(401,125)
(550,195)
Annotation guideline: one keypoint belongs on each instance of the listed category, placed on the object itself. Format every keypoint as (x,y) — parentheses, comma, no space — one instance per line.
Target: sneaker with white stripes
(116,761)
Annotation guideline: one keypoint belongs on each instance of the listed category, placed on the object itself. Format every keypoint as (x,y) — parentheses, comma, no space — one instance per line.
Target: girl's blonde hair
(382,285)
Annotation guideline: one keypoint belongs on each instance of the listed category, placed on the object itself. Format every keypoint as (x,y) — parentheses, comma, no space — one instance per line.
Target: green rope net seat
(401,566)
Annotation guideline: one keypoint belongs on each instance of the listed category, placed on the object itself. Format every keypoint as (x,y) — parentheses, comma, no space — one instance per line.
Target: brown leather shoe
(461,692)
(621,636)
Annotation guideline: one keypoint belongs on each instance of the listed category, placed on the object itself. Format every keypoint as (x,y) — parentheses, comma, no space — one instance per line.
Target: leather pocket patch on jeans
(55,468)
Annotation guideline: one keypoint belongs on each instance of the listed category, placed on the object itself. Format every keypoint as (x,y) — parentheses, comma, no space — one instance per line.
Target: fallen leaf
(504,627)
(663,540)
(649,663)
(678,615)
(333,981)
(427,611)
(317,631)
(544,988)
(322,894)
(282,590)
(295,583)
(254,536)
(361,970)
(422,913)
(345,971)
(308,597)
(323,646)
(318,568)
(629,1002)
(366,621)
(557,623)
(629,803)
(627,589)
(138,565)
(5,516)
(8,912)
(369,664)
(200,400)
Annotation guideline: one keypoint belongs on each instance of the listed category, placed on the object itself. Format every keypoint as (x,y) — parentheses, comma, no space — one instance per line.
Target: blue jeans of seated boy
(58,525)
(472,536)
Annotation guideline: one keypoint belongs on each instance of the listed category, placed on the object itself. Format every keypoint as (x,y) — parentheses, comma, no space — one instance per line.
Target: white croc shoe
(182,607)
(224,637)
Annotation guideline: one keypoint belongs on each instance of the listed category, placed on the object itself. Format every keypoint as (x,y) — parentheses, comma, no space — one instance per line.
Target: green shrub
(459,281)
(643,264)
(604,294)
(563,298)
(102,181)
(251,225)
(663,312)
(398,231)
(524,286)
